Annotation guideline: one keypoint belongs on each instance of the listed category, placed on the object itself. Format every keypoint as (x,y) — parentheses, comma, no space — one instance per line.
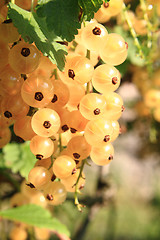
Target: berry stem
(60,143)
(88,56)
(51,161)
(87,88)
(79,206)
(132,31)
(31,233)
(32,6)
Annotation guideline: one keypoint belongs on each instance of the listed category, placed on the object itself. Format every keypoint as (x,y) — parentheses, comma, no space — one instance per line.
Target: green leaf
(19,158)
(35,216)
(11,153)
(89,7)
(34,29)
(61,17)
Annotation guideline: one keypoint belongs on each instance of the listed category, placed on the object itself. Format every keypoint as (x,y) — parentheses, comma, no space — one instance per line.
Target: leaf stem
(132,31)
(79,206)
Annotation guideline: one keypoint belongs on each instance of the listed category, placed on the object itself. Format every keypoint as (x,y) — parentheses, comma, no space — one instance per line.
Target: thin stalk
(31,233)
(79,206)
(51,162)
(87,88)
(132,31)
(88,54)
(60,143)
(32,6)
(88,83)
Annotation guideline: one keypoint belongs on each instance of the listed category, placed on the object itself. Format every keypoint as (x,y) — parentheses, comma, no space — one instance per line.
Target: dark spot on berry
(39,156)
(114,80)
(71,73)
(97,111)
(81,187)
(38,96)
(110,157)
(96,31)
(73,130)
(47,124)
(76,155)
(62,43)
(25,52)
(123,108)
(50,197)
(24,76)
(74,171)
(126,45)
(76,161)
(65,128)
(106,138)
(30,185)
(53,178)
(54,99)
(7,114)
(106,5)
